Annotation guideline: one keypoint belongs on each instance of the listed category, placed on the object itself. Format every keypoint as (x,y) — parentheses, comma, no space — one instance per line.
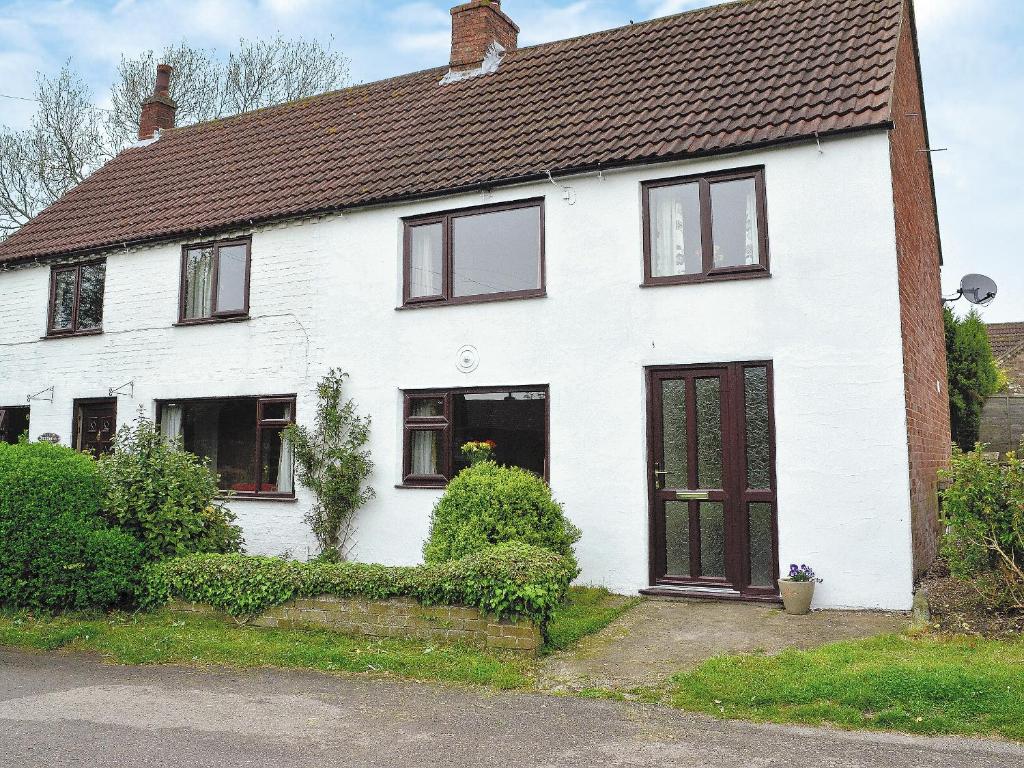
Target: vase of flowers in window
(476,451)
(798,589)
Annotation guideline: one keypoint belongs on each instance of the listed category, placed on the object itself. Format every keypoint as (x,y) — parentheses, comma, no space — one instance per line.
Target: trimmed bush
(56,552)
(165,496)
(511,580)
(487,504)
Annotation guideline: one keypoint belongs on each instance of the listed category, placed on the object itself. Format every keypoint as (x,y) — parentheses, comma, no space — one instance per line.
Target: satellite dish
(978,289)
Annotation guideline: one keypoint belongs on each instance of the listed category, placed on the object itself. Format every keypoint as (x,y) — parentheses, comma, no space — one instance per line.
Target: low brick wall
(397,617)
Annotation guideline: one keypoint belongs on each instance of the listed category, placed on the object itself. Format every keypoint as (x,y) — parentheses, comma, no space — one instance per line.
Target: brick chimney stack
(475,25)
(158,110)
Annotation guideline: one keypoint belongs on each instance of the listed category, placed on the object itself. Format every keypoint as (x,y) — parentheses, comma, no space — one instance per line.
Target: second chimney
(158,110)
(475,25)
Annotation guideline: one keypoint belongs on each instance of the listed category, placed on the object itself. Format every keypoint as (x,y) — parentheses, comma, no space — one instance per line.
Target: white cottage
(687,270)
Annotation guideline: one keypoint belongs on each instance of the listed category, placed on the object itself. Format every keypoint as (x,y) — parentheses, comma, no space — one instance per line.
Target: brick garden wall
(398,617)
(924,349)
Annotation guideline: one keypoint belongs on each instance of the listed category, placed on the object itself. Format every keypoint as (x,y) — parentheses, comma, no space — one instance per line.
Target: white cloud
(669,7)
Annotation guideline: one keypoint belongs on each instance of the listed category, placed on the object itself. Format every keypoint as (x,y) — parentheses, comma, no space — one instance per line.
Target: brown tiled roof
(724,78)
(1006,339)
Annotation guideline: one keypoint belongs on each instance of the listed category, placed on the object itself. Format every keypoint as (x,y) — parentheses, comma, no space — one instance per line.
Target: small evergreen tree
(333,462)
(973,375)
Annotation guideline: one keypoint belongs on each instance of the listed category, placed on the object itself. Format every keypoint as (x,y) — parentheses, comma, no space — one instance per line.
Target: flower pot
(796,596)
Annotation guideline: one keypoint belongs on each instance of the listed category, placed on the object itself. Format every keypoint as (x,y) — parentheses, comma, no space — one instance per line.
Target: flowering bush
(801,573)
(477,451)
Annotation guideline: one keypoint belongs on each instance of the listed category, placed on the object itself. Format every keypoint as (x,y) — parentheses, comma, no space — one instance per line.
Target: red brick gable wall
(918,252)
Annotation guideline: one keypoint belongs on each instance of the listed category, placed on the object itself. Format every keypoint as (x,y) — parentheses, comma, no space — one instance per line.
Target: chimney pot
(158,110)
(475,25)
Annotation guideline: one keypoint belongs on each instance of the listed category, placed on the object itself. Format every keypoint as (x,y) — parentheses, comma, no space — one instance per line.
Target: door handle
(693,495)
(659,476)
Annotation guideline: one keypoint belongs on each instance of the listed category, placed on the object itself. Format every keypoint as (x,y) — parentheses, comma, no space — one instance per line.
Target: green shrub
(487,504)
(56,552)
(507,581)
(165,496)
(983,509)
(973,374)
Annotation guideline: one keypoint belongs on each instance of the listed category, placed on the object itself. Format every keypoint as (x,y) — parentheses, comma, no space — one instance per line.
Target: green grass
(586,610)
(925,685)
(166,638)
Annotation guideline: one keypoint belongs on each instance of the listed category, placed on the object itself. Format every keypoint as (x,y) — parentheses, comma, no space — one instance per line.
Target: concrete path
(73,711)
(658,638)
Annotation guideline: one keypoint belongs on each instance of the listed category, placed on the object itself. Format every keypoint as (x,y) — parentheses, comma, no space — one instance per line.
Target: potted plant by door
(798,589)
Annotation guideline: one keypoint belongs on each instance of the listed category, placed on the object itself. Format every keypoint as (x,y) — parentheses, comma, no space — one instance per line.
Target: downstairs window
(13,423)
(239,438)
(439,422)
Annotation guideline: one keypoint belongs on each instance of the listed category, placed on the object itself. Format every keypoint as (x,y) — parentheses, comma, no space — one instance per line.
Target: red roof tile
(1006,339)
(719,79)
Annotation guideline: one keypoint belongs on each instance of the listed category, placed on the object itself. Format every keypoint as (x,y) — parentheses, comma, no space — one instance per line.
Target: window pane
(276,456)
(90,297)
(496,252)
(673,405)
(425,256)
(677,538)
(426,407)
(712,539)
(758,439)
(709,433)
(425,446)
(198,283)
(762,546)
(13,424)
(276,411)
(224,433)
(515,421)
(63,300)
(231,278)
(734,226)
(675,230)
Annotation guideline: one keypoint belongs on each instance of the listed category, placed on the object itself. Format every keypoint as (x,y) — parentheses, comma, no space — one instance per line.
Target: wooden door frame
(76,415)
(738,496)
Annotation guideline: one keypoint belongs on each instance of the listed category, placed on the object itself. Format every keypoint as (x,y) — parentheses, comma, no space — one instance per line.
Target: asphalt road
(72,710)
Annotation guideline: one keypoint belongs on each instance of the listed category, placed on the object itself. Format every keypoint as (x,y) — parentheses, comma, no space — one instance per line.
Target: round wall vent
(468,359)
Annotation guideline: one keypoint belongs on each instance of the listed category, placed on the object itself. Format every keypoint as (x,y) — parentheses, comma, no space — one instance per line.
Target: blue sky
(972,55)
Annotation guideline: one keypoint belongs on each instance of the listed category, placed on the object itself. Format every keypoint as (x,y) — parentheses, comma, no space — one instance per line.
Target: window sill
(75,335)
(212,321)
(423,486)
(517,296)
(254,497)
(745,274)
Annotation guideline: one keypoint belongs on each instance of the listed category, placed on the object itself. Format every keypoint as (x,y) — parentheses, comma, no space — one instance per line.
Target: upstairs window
(476,254)
(214,282)
(240,438)
(710,227)
(439,422)
(76,299)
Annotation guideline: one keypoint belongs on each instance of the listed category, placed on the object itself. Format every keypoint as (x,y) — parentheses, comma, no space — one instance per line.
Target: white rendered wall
(828,318)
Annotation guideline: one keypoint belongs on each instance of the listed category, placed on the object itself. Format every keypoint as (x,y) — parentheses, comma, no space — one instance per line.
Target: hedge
(512,580)
(56,552)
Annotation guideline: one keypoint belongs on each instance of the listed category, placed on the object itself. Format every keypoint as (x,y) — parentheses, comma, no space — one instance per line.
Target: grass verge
(924,685)
(166,638)
(585,611)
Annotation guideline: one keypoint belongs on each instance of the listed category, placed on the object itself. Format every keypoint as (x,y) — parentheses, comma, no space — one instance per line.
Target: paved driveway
(73,711)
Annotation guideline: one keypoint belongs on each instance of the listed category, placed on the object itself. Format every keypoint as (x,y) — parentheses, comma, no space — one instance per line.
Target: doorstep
(664,591)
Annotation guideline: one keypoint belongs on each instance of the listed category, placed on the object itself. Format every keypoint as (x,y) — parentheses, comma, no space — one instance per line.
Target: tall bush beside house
(487,504)
(334,463)
(973,375)
(983,509)
(165,496)
(56,552)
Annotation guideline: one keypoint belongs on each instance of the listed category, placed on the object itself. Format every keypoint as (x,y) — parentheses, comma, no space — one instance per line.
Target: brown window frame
(261,423)
(215,316)
(446,218)
(708,272)
(445,425)
(77,269)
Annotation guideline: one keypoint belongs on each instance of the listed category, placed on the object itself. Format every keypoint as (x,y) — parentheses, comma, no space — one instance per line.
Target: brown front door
(712,472)
(95,425)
